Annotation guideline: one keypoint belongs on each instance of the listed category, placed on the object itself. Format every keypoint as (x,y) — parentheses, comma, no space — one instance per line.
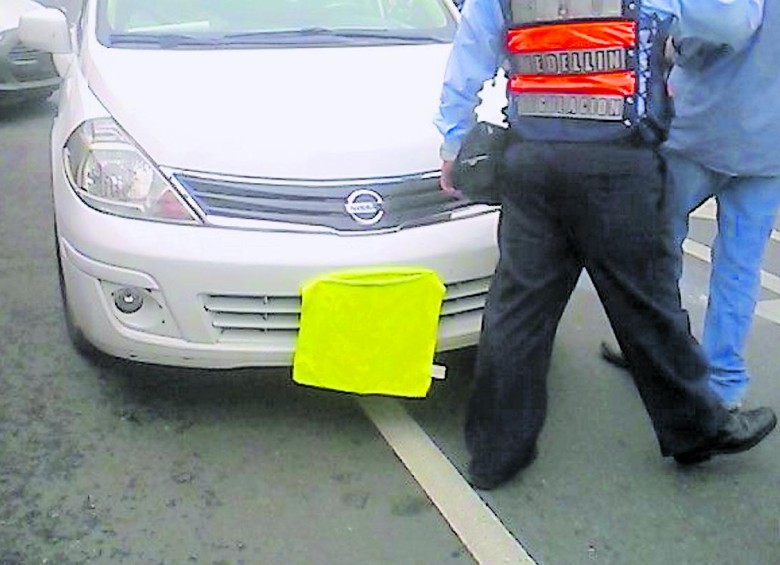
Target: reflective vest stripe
(572,36)
(621,83)
(581,106)
(581,61)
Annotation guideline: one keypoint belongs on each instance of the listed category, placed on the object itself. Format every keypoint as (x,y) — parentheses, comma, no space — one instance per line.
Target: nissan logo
(364,206)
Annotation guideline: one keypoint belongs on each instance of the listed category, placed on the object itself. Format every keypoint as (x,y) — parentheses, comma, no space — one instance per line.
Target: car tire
(80,343)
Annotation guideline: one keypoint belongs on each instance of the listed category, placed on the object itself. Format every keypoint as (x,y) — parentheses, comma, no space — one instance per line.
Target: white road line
(698,250)
(478,528)
(707,211)
(769,309)
(770,281)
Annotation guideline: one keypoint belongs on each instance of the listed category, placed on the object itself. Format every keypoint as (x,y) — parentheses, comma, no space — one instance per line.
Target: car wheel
(76,336)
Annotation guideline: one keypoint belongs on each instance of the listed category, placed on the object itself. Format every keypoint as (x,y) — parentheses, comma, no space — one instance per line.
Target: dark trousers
(565,207)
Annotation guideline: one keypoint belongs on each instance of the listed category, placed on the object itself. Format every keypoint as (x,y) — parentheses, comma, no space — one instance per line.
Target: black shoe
(489,481)
(743,430)
(613,356)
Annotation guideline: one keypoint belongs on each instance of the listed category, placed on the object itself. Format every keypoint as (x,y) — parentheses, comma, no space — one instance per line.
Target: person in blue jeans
(747,205)
(723,143)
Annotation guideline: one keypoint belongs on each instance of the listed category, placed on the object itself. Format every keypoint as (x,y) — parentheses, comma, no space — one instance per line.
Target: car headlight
(111,174)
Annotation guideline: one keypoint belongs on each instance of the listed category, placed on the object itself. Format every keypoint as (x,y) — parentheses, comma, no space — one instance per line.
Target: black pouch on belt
(478,169)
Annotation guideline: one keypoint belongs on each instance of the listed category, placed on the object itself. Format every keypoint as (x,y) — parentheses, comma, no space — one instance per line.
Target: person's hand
(445,182)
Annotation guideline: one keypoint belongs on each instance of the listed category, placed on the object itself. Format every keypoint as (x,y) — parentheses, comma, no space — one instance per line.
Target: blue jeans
(746,212)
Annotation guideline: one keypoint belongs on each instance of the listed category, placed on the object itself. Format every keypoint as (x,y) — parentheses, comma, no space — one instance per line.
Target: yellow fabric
(369,331)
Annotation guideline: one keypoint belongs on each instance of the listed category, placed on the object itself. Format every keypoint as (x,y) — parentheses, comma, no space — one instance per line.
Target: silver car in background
(25,74)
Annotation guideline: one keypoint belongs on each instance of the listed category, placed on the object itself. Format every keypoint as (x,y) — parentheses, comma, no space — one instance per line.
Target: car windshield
(200,24)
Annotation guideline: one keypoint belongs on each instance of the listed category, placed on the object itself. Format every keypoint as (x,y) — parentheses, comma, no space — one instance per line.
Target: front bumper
(222,297)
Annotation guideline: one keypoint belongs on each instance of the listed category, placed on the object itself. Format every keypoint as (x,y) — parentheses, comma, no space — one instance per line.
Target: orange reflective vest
(586,70)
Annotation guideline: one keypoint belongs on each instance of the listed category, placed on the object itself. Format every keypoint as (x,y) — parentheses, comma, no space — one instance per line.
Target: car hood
(10,10)
(308,113)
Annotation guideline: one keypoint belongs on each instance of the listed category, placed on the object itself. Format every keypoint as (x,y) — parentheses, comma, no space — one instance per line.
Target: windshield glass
(172,24)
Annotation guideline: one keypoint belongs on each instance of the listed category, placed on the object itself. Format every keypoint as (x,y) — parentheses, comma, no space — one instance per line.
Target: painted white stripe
(478,528)
(770,281)
(707,211)
(769,309)
(698,250)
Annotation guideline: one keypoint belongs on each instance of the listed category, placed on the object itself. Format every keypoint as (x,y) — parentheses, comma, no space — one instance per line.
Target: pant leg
(628,246)
(689,185)
(747,207)
(534,278)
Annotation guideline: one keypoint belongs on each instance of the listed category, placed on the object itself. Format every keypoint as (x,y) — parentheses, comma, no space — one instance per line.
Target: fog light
(128,300)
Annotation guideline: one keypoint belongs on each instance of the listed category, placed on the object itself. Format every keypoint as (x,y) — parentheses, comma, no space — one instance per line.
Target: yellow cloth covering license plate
(369,331)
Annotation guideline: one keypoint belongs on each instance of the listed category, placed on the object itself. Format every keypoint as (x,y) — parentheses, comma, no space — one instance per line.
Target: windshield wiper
(317,33)
(390,35)
(279,33)
(161,40)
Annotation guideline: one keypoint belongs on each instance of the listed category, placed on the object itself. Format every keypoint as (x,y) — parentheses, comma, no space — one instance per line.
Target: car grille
(20,53)
(242,319)
(376,204)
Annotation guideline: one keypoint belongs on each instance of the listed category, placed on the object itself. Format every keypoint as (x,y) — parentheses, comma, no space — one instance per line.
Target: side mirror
(45,29)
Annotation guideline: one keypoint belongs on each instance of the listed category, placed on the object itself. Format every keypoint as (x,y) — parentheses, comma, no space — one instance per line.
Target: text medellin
(572,62)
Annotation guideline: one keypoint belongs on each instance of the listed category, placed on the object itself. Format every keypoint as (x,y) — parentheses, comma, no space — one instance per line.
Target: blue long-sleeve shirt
(478,49)
(727,109)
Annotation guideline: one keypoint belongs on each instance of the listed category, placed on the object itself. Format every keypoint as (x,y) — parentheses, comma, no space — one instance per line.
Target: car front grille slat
(245,319)
(253,304)
(403,201)
(20,53)
(244,337)
(462,305)
(236,203)
(467,288)
(264,322)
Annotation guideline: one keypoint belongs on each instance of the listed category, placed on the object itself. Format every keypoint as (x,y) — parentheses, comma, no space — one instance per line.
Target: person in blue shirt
(723,144)
(577,195)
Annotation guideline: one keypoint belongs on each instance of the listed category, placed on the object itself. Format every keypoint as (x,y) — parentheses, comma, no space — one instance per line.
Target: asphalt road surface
(120,463)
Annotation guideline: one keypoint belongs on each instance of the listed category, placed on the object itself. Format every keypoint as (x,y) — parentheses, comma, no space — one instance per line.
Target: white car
(209,158)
